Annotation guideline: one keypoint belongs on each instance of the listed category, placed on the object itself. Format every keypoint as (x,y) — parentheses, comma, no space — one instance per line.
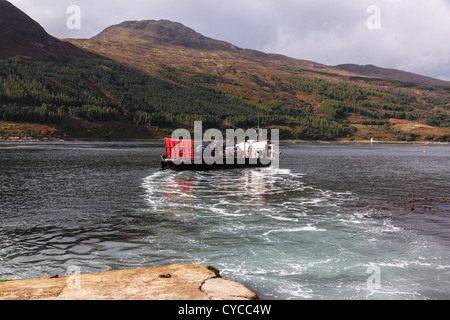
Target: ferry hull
(168,164)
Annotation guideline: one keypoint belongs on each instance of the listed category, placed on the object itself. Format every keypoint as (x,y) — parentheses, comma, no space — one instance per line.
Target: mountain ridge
(167,32)
(390,74)
(21,35)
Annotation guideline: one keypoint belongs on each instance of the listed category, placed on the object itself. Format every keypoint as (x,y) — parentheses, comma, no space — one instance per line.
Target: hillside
(20,35)
(176,53)
(391,74)
(174,75)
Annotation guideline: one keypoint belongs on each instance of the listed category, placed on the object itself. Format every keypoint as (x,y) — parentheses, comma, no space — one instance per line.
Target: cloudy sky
(411,35)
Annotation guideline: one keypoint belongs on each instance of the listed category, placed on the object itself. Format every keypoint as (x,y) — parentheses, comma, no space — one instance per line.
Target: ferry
(180,155)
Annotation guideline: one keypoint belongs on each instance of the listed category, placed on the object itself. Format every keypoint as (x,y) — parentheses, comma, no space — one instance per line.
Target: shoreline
(56,140)
(365,142)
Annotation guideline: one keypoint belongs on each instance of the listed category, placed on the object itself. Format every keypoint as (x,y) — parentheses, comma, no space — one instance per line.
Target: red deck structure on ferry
(179,149)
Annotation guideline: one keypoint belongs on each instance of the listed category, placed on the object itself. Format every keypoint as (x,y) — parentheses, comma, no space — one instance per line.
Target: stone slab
(169,282)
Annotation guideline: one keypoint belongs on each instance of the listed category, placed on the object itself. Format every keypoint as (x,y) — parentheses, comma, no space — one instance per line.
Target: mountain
(390,74)
(167,33)
(145,38)
(20,35)
(370,101)
(162,47)
(162,31)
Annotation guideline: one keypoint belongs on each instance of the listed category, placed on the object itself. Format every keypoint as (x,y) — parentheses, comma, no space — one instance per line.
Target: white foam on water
(309,228)
(259,214)
(385,227)
(277,171)
(283,218)
(394,263)
(223,212)
(296,291)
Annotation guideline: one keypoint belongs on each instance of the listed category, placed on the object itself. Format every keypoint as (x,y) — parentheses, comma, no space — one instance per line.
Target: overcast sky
(411,35)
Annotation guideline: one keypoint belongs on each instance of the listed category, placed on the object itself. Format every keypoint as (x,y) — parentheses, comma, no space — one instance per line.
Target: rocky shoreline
(29,139)
(169,282)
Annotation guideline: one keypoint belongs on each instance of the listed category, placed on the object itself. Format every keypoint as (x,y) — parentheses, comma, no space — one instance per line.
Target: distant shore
(51,139)
(364,142)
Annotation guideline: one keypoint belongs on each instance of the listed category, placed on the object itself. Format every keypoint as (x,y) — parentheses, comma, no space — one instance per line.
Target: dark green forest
(56,91)
(339,99)
(52,91)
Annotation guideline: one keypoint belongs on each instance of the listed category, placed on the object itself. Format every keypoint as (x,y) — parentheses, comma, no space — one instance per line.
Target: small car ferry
(181,155)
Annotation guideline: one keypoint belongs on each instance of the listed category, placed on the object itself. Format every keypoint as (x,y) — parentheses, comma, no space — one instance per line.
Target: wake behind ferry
(181,155)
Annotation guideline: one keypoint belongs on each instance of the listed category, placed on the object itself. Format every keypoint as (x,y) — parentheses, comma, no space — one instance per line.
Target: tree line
(339,99)
(54,90)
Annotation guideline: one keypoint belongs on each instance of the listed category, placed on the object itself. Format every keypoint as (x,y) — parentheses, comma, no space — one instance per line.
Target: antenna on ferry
(258,130)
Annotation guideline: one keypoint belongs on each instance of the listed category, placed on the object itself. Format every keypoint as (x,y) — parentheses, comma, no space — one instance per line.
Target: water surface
(330,219)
